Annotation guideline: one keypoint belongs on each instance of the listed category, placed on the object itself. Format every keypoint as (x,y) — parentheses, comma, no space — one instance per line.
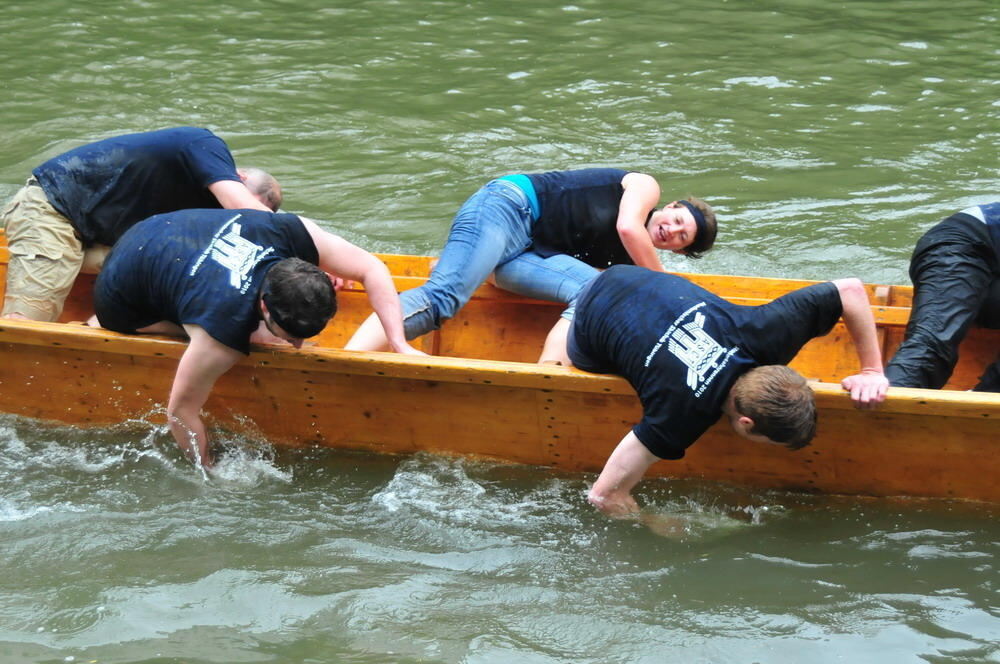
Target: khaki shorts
(45,255)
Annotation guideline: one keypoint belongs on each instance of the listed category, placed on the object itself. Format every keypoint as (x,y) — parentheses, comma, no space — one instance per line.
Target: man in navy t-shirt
(692,357)
(77,204)
(224,279)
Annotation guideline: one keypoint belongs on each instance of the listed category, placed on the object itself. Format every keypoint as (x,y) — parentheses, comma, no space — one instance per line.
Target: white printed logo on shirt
(235,253)
(688,341)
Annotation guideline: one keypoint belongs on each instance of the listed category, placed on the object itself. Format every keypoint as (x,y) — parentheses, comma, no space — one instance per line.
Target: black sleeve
(775,332)
(668,435)
(302,244)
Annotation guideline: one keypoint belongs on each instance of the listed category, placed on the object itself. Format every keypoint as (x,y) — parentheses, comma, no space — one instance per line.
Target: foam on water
(441,486)
(11,511)
(32,447)
(244,463)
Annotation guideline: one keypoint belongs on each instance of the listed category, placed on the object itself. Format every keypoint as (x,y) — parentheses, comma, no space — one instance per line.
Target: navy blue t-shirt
(105,187)
(682,347)
(579,214)
(202,267)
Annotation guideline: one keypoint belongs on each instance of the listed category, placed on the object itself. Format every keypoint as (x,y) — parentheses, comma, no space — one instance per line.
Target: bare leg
(554,350)
(369,336)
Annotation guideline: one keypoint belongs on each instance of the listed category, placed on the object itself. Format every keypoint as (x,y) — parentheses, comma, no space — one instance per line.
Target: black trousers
(956,280)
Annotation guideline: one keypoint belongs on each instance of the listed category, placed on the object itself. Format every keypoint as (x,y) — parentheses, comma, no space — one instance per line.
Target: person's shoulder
(181,136)
(285,218)
(193,131)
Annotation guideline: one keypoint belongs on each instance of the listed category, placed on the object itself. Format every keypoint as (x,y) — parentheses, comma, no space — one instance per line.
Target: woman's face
(673,228)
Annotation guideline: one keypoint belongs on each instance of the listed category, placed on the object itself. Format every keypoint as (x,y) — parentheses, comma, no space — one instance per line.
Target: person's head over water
(774,404)
(685,227)
(297,299)
(263,185)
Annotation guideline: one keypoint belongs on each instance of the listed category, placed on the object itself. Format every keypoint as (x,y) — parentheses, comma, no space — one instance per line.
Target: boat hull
(919,443)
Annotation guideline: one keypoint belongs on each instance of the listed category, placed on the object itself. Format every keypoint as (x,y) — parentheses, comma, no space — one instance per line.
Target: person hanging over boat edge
(955,270)
(545,236)
(693,357)
(226,279)
(77,204)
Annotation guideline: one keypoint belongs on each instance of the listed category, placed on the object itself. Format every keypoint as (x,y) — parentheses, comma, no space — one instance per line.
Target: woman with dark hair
(546,236)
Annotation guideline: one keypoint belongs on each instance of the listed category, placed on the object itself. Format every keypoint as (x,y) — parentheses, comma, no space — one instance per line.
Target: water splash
(441,487)
(244,463)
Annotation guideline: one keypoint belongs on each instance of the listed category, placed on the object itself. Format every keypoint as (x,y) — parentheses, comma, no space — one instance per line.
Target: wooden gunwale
(919,443)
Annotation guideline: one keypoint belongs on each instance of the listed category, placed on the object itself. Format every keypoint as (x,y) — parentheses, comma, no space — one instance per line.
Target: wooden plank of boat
(483,397)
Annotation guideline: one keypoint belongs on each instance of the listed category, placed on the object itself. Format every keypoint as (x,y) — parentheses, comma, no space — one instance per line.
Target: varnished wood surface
(487,399)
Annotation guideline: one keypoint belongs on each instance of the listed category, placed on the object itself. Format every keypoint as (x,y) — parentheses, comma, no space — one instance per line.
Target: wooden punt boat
(482,396)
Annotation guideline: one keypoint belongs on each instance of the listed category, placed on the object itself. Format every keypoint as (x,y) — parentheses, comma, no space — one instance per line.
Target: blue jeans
(491,232)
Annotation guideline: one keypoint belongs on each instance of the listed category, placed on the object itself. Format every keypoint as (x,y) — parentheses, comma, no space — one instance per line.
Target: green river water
(828,136)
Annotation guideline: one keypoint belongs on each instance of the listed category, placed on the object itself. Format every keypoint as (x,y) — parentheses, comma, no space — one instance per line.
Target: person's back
(105,187)
(682,347)
(693,357)
(201,267)
(577,214)
(76,205)
(212,275)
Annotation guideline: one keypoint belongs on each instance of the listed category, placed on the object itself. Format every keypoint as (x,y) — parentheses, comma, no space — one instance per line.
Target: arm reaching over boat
(869,386)
(339,257)
(201,365)
(218,277)
(612,492)
(693,357)
(683,227)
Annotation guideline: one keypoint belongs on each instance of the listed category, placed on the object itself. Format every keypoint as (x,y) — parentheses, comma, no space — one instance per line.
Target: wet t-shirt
(201,267)
(682,347)
(104,188)
(579,214)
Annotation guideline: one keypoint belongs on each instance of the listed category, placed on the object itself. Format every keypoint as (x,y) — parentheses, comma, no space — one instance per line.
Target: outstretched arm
(339,257)
(868,388)
(641,195)
(612,492)
(201,365)
(234,195)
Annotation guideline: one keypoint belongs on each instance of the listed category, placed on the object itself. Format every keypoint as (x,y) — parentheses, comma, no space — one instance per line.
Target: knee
(446,302)
(427,308)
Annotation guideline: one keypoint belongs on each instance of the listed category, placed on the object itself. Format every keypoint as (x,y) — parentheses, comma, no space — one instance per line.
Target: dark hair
(264,186)
(780,403)
(703,241)
(299,297)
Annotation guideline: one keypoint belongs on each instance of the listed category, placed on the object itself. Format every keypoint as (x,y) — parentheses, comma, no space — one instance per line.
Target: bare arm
(339,257)
(234,195)
(612,492)
(201,365)
(868,388)
(641,195)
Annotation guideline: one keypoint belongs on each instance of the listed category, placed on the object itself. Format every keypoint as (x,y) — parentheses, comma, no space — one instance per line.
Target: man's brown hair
(780,403)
